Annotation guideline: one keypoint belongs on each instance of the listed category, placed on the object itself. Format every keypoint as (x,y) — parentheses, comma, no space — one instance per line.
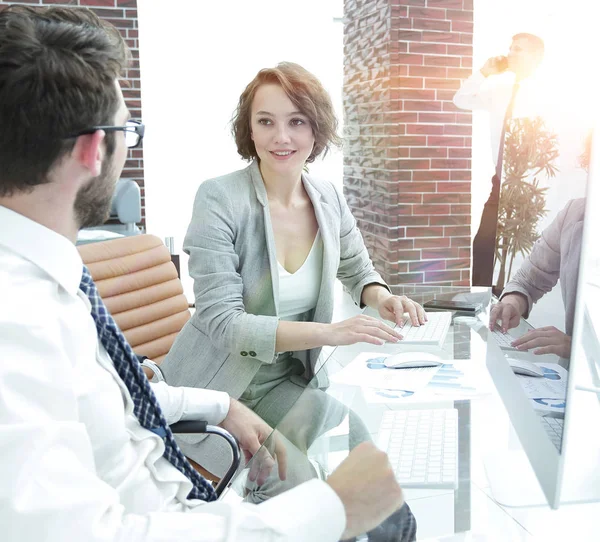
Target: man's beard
(92,204)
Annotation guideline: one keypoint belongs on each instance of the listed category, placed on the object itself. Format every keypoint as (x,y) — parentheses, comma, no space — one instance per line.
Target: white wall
(196,58)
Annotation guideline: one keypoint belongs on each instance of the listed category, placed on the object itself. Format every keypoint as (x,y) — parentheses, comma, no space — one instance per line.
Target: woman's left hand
(393,307)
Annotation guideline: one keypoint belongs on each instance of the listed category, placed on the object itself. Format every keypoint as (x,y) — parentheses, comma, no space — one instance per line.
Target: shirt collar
(52,252)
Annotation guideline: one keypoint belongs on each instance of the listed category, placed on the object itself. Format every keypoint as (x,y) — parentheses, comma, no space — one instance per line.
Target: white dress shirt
(75,462)
(492,94)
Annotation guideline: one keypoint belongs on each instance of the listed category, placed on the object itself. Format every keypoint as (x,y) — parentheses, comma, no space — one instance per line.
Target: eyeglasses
(134,132)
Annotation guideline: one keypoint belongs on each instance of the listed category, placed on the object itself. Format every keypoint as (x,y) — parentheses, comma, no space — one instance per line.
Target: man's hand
(252,432)
(494,66)
(546,340)
(393,307)
(367,487)
(507,313)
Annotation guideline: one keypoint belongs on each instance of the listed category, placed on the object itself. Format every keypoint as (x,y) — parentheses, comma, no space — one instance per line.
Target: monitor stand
(512,480)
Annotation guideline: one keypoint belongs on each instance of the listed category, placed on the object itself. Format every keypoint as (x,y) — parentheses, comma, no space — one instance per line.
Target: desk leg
(462,496)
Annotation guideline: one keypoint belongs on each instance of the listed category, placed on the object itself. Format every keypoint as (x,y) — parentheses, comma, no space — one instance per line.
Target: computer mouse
(412,360)
(522,367)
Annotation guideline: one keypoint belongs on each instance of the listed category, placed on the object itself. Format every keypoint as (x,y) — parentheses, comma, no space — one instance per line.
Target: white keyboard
(431,333)
(422,446)
(503,340)
(554,429)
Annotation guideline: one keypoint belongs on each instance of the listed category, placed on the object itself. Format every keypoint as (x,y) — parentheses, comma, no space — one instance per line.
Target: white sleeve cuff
(310,511)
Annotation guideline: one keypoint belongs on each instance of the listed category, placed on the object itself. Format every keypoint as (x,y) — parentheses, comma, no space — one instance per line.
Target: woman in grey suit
(266,244)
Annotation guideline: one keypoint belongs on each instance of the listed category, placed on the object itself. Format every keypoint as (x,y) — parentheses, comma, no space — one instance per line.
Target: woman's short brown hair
(306,93)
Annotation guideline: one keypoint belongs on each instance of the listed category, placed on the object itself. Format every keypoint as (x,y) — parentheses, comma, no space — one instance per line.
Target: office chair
(140,287)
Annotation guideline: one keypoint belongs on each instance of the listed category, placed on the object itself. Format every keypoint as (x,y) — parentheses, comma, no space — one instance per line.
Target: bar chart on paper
(451,378)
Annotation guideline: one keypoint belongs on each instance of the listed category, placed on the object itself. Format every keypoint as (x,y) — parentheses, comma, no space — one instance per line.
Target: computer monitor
(568,472)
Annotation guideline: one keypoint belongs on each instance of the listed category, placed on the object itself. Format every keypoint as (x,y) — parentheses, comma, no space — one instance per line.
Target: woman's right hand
(360,329)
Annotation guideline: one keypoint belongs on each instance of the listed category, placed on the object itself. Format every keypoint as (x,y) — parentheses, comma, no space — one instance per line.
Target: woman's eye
(265,122)
(297,122)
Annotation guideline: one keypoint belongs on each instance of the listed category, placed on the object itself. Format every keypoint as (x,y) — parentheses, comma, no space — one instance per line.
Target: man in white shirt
(494,89)
(76,462)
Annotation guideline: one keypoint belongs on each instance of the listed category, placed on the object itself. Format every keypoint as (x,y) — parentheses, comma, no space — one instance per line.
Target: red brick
(432,24)
(463,118)
(461,241)
(426,13)
(462,26)
(425,232)
(458,232)
(427,71)
(452,186)
(468,4)
(441,198)
(415,187)
(411,278)
(431,176)
(410,141)
(422,105)
(444,95)
(439,253)
(432,242)
(448,4)
(409,59)
(463,263)
(460,153)
(440,37)
(413,221)
(460,209)
(445,141)
(441,118)
(127,3)
(413,164)
(110,3)
(464,252)
(429,48)
(410,36)
(458,14)
(407,82)
(449,106)
(400,117)
(450,164)
(461,50)
(460,175)
(428,265)
(407,255)
(460,220)
(431,210)
(428,152)
(413,94)
(442,276)
(453,84)
(457,129)
(424,129)
(437,60)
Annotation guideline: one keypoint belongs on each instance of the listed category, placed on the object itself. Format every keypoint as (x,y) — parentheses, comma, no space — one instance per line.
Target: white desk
(469,513)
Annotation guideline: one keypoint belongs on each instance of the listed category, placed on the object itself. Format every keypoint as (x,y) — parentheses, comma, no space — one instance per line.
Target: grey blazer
(234,265)
(554,255)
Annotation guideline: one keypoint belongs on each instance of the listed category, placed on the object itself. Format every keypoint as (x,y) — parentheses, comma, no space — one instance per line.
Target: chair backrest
(140,287)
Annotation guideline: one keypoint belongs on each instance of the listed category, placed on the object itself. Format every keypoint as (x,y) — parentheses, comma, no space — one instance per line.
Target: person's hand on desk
(252,432)
(546,340)
(507,313)
(366,485)
(393,308)
(361,328)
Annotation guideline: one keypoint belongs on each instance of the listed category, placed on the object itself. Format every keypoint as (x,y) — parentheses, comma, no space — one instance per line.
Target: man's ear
(89,151)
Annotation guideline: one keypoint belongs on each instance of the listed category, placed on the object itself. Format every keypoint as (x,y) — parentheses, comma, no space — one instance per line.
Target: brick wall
(407,159)
(123,14)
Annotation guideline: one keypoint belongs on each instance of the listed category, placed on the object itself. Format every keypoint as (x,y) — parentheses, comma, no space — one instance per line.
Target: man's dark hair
(58,68)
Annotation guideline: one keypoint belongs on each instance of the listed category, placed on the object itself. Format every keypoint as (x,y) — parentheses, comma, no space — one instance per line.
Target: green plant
(530,149)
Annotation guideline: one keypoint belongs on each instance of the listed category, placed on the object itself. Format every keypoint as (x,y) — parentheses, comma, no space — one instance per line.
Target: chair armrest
(156,370)
(203,427)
